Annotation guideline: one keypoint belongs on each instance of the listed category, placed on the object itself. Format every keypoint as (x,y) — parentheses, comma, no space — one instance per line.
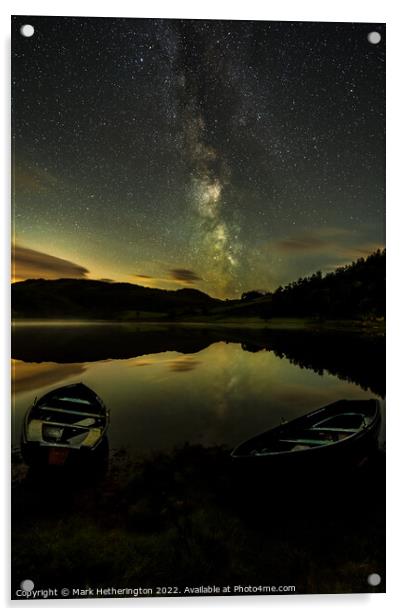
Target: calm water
(220,394)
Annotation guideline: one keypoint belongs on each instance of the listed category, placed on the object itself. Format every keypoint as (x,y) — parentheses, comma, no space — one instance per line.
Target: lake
(166,385)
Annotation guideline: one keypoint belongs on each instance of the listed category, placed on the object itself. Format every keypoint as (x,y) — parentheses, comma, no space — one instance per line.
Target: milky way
(214,240)
(219,155)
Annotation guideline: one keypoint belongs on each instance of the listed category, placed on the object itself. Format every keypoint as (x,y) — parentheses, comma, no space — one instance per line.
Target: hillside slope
(72,298)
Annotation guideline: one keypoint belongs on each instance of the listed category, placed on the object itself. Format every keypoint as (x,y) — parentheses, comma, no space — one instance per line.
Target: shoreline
(376,327)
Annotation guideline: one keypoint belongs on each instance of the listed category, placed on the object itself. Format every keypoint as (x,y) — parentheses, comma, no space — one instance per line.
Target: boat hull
(74,409)
(343,455)
(36,454)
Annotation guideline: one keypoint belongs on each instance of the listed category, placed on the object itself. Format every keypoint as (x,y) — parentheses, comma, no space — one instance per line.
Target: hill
(72,298)
(355,291)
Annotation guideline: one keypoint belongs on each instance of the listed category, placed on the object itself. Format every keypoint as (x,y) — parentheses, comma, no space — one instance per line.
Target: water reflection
(33,376)
(183,364)
(357,358)
(220,393)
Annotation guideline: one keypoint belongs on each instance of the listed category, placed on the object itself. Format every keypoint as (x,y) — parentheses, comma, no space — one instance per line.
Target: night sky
(219,155)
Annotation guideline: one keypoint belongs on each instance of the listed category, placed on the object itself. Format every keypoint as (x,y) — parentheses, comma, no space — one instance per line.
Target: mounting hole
(27,585)
(374,37)
(374,579)
(27,30)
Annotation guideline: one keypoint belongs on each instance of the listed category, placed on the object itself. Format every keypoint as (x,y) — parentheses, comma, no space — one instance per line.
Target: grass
(184,518)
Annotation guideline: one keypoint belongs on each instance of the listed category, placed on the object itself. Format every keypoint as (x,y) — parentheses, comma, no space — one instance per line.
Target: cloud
(299,254)
(315,241)
(35,180)
(329,242)
(184,275)
(29,263)
(174,277)
(301,244)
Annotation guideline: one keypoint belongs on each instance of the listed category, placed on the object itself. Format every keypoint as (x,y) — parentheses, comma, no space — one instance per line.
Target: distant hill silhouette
(68,297)
(350,292)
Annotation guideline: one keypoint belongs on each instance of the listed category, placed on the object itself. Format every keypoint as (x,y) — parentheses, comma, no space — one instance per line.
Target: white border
(286,10)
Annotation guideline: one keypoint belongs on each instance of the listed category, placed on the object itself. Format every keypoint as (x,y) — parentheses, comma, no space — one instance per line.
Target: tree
(250,295)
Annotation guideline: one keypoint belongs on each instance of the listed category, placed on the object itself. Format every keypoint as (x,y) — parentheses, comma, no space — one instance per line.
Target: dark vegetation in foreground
(185,518)
(356,291)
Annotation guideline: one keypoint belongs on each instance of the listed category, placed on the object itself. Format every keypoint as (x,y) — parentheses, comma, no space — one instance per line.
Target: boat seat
(53,409)
(303,441)
(350,430)
(63,425)
(76,400)
(92,437)
(343,421)
(87,422)
(35,430)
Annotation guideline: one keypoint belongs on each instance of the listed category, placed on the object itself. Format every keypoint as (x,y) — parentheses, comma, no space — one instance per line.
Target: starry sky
(219,155)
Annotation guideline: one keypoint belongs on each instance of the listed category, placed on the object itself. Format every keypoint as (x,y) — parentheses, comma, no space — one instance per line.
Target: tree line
(352,291)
